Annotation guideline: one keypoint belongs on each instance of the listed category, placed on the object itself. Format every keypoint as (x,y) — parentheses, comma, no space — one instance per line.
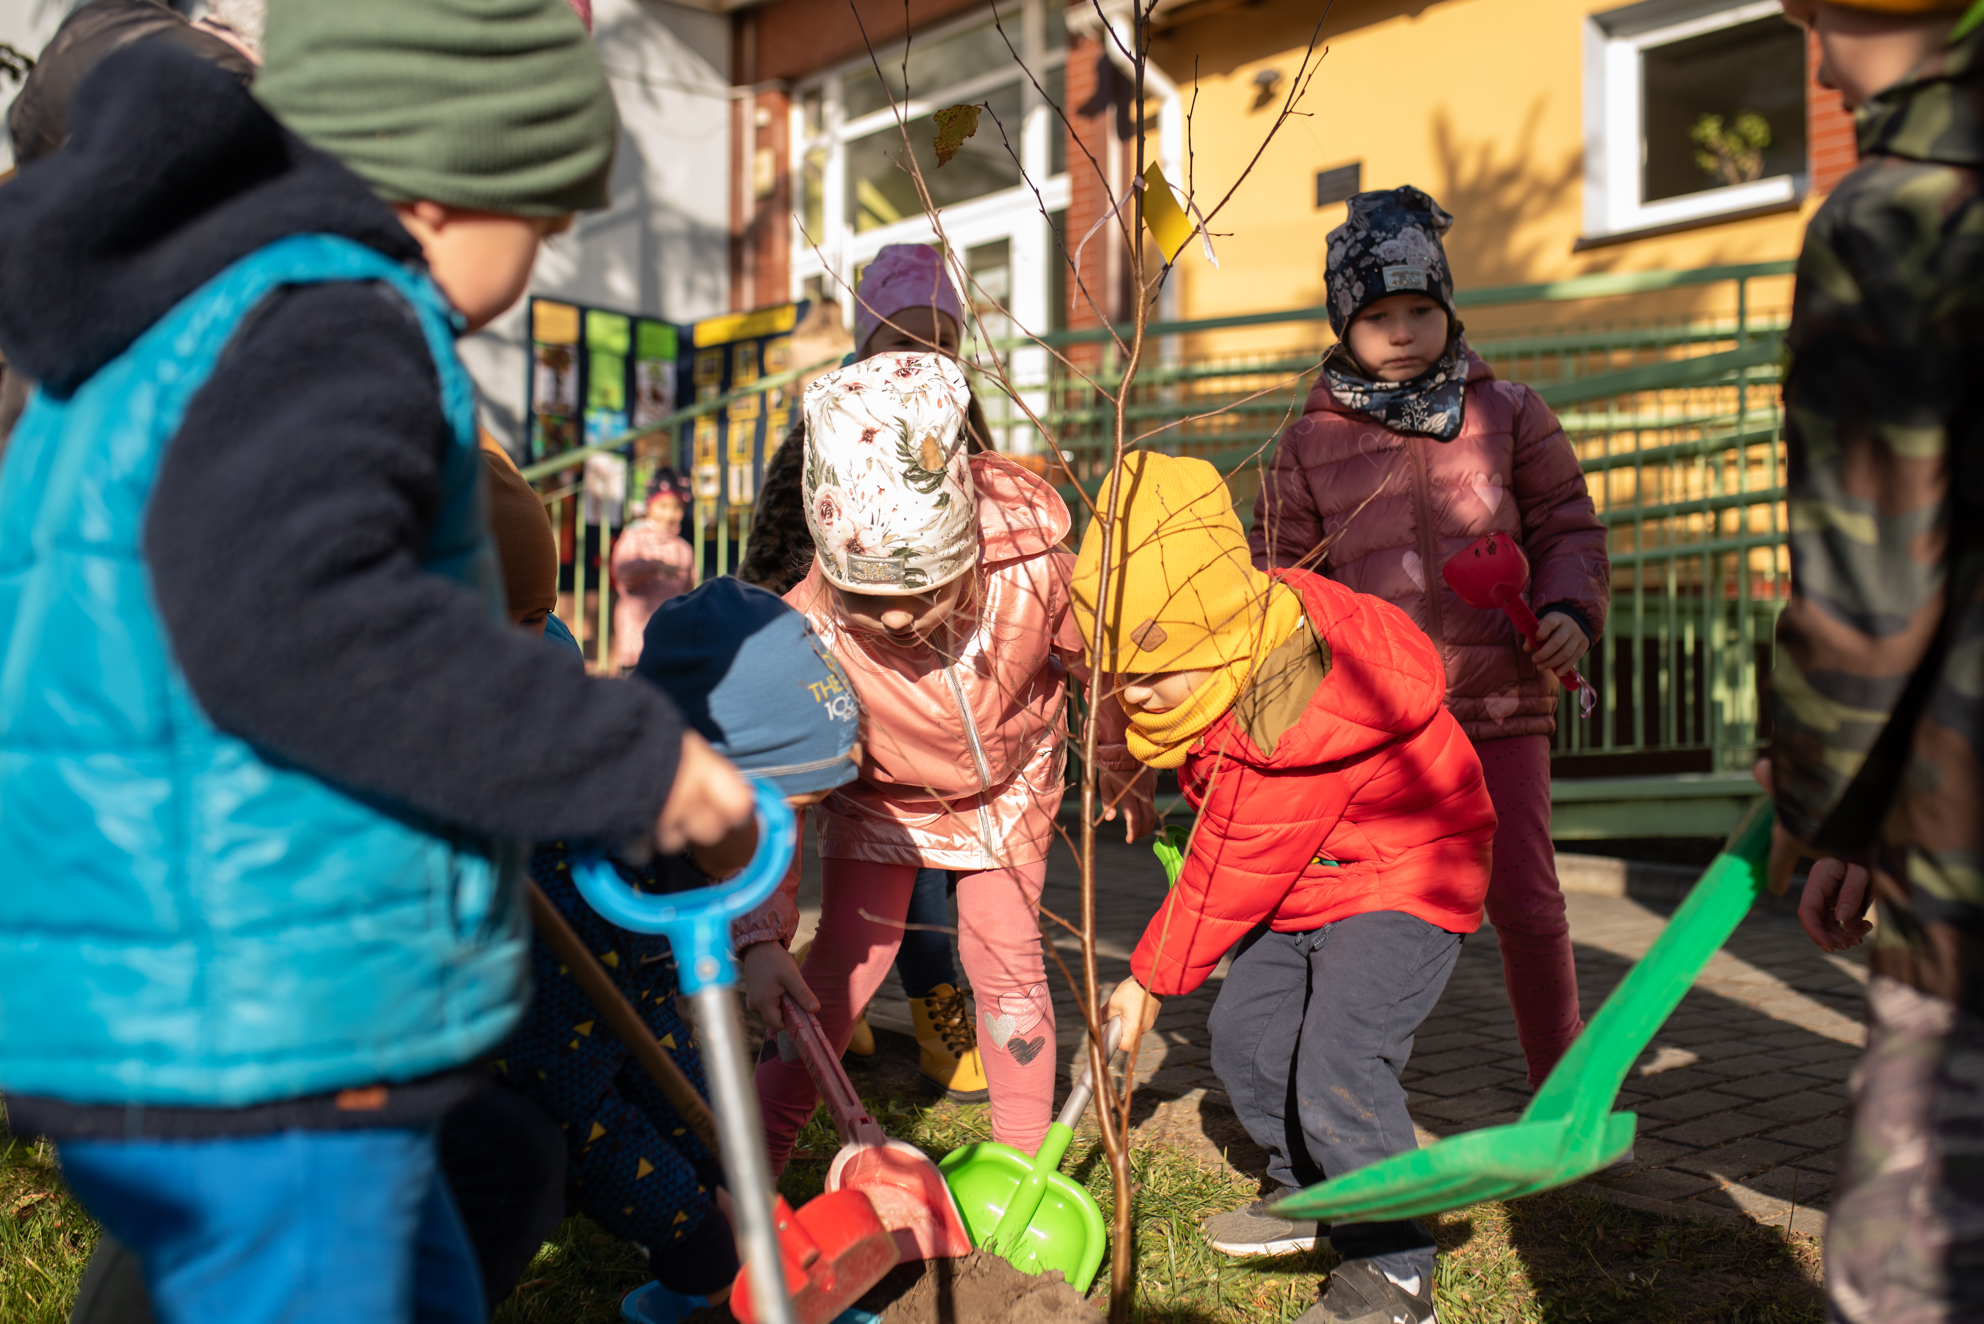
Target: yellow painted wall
(1479,102)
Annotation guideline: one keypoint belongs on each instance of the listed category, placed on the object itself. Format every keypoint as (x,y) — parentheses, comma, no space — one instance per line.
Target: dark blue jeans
(924,959)
(1309,1035)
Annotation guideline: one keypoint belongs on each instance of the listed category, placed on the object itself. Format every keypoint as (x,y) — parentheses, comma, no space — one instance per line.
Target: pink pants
(1525,905)
(999,939)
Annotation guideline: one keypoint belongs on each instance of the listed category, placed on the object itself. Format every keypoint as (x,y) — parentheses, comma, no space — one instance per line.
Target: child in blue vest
(267,744)
(749,674)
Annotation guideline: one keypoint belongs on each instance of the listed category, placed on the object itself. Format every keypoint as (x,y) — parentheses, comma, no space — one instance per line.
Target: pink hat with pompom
(902,276)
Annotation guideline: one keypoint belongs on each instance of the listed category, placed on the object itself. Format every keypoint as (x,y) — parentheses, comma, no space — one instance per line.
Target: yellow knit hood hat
(1183,593)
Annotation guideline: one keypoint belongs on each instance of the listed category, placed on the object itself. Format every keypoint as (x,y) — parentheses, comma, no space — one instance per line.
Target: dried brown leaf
(954,125)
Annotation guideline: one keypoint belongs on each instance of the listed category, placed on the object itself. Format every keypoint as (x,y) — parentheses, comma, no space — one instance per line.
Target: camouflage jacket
(1878,691)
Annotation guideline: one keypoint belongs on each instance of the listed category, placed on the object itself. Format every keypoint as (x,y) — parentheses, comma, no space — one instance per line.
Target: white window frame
(1002,215)
(1614,137)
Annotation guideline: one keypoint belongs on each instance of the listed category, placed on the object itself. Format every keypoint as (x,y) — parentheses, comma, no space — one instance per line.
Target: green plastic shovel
(1022,1209)
(1569,1129)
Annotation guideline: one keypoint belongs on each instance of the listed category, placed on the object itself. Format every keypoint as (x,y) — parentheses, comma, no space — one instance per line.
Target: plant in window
(1731,153)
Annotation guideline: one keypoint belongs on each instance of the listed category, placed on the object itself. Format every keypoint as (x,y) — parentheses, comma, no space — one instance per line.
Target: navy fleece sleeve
(284,536)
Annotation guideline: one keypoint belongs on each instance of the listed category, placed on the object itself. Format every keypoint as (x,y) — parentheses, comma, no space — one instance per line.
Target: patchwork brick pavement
(1741,1096)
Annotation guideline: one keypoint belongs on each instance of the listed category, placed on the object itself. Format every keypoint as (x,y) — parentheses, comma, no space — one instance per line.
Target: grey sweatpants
(1309,1035)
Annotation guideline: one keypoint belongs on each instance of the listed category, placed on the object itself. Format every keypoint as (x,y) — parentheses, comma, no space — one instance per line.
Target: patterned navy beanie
(1389,244)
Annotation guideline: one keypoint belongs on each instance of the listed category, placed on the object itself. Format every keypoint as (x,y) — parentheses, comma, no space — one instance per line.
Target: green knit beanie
(491,105)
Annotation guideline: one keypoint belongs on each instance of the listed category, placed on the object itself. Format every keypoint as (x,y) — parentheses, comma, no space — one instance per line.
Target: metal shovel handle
(697,926)
(1084,1087)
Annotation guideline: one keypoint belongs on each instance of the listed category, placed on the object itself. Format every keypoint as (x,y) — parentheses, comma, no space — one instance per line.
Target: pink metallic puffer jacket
(962,762)
(1392,508)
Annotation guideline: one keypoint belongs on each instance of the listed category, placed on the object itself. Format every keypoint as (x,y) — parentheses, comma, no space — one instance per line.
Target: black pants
(1309,1035)
(505,1164)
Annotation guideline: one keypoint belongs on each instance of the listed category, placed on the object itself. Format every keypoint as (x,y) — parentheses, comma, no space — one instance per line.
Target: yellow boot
(949,1044)
(861,1043)
(860,1040)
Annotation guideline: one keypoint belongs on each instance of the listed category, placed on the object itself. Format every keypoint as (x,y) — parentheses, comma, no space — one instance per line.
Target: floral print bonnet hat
(887,483)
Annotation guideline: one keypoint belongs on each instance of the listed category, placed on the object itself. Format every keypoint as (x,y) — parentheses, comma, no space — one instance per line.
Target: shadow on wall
(1498,191)
(1219,40)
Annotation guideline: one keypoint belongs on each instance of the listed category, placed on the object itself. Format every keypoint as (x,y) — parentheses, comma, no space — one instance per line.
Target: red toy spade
(1492,572)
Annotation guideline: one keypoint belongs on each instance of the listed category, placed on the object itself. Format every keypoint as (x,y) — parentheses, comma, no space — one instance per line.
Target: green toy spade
(1569,1129)
(1022,1209)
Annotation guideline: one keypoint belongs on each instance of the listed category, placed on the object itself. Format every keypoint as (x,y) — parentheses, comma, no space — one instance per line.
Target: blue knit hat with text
(753,679)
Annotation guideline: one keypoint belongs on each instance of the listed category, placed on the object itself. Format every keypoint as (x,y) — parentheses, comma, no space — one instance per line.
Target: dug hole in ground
(978,1287)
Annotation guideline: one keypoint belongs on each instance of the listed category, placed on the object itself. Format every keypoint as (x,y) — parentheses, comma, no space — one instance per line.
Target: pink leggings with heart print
(999,939)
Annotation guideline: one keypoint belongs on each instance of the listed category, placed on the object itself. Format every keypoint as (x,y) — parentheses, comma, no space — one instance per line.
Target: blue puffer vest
(184,919)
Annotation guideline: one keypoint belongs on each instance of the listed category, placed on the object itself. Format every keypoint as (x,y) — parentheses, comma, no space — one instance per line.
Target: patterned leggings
(999,939)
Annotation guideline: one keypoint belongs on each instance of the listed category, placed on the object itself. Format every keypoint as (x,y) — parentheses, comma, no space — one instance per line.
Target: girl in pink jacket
(1408,451)
(940,582)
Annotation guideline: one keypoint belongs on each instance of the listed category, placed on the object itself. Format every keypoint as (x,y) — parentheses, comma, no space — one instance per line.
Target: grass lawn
(1561,1256)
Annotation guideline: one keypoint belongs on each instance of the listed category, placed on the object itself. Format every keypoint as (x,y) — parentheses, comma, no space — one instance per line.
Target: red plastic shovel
(910,1195)
(832,1250)
(1492,572)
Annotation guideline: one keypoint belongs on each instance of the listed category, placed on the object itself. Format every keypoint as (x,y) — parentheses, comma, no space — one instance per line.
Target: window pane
(933,66)
(1723,108)
(1057,24)
(991,291)
(813,192)
(879,192)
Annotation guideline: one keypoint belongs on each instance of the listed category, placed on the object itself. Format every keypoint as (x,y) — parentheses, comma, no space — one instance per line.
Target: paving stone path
(1741,1096)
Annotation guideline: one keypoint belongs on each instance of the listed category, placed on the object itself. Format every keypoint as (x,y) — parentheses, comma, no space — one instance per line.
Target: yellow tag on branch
(1167,220)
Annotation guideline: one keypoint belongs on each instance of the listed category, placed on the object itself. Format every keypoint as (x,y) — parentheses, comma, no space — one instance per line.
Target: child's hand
(1138,1008)
(1133,794)
(769,970)
(729,856)
(706,802)
(1562,642)
(1833,910)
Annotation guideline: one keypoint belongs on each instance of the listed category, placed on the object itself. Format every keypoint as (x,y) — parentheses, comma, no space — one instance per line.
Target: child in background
(905,303)
(652,562)
(1342,843)
(251,957)
(940,585)
(752,678)
(1410,449)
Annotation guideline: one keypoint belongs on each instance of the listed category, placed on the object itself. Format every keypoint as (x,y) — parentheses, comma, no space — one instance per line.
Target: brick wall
(1829,139)
(1092,95)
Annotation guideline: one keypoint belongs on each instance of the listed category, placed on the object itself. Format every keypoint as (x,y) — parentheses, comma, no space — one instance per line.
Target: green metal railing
(1666,385)
(1675,419)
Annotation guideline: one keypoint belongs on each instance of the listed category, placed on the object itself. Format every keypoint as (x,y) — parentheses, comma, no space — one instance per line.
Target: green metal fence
(1666,384)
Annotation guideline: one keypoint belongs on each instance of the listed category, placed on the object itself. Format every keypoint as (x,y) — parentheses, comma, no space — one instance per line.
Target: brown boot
(949,1045)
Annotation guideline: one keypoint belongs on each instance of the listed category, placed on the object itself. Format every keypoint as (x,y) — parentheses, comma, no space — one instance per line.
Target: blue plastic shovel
(697,926)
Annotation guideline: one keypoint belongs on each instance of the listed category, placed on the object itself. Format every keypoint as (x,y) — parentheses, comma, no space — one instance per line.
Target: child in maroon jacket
(1342,843)
(1410,450)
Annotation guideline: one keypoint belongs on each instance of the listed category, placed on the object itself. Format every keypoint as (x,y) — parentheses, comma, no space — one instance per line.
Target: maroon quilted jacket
(1392,508)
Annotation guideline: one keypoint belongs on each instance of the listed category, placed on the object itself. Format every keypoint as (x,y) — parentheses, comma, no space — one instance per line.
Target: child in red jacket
(1341,849)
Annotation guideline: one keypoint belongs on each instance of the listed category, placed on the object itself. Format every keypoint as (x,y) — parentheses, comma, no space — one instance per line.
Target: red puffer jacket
(1373,800)
(1397,506)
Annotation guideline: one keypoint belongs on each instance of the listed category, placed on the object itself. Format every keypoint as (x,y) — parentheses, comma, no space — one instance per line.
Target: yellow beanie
(1183,593)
